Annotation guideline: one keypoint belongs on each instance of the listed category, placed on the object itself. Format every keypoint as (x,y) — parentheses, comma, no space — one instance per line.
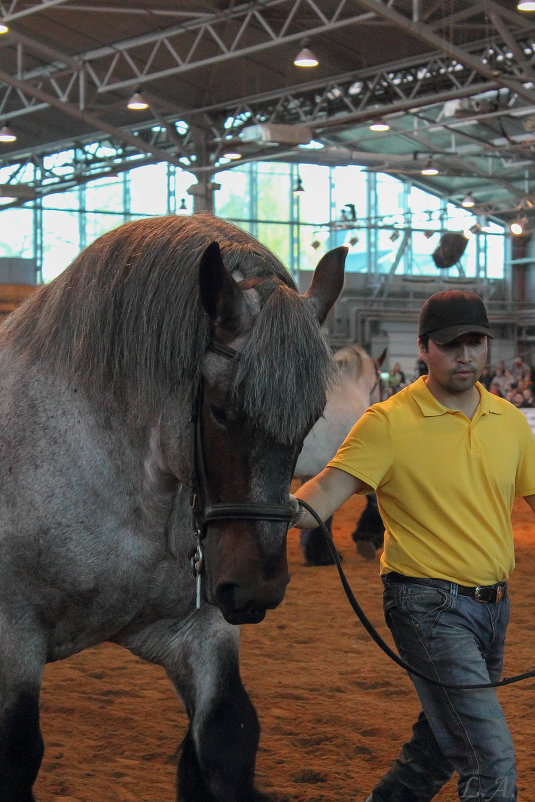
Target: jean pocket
(412,616)
(422,604)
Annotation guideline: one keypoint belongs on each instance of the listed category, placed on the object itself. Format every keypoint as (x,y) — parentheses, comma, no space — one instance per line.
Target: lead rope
(368,626)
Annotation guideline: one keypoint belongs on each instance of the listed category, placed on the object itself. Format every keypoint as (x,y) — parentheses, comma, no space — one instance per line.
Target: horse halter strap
(204,510)
(378,384)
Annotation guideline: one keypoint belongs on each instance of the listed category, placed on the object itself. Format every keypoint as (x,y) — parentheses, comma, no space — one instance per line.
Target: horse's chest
(94,604)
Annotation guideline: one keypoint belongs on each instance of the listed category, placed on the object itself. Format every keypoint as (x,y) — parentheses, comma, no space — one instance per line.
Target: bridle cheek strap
(204,510)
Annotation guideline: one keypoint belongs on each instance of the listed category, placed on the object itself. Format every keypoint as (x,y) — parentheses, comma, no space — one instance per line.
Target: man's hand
(325,493)
(297,509)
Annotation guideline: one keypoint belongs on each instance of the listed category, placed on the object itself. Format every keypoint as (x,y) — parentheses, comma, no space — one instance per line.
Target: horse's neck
(347,399)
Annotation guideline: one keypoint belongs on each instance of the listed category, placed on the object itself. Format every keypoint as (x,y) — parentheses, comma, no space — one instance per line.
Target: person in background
(495,388)
(508,381)
(428,451)
(485,377)
(526,401)
(396,379)
(528,398)
(421,367)
(516,398)
(527,378)
(519,367)
(498,376)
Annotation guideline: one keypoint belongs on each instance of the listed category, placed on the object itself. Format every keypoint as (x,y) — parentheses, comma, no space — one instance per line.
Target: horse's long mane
(125,319)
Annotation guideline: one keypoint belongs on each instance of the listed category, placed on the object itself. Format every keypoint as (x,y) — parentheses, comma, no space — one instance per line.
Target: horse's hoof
(366,549)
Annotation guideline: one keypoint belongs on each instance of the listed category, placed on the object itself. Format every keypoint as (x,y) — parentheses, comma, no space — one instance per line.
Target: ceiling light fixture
(468,201)
(518,226)
(429,169)
(7,134)
(525,5)
(3,28)
(379,125)
(137,102)
(299,188)
(233,155)
(305,57)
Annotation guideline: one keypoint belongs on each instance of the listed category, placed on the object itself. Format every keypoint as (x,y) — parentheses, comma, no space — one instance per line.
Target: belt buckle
(481,595)
(486,595)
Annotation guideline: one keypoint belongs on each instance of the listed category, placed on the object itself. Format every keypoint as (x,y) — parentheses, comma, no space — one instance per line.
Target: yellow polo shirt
(445,484)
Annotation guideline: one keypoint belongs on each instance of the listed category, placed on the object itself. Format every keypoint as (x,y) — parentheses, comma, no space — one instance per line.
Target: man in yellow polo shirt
(446,459)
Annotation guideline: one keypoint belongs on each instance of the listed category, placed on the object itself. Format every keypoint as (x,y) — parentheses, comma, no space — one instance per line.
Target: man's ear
(423,350)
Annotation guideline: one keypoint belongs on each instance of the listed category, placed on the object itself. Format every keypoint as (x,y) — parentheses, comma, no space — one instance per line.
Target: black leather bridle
(205,510)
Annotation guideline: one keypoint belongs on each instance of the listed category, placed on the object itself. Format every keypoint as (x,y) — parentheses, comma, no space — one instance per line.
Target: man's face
(455,367)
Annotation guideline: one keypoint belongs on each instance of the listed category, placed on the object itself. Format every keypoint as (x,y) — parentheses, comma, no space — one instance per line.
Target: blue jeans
(459,641)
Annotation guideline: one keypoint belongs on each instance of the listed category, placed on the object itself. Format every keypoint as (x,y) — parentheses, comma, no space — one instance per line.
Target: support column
(203,191)
(203,194)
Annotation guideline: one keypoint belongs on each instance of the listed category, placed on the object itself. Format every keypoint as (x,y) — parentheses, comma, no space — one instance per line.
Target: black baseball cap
(447,315)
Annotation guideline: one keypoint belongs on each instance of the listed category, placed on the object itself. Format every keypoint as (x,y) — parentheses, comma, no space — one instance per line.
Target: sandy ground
(333,709)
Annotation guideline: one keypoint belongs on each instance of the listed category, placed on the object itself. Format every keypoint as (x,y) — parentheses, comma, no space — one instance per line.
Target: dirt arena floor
(333,709)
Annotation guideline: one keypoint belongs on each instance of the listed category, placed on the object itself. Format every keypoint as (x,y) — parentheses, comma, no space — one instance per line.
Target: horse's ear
(220,295)
(327,282)
(380,359)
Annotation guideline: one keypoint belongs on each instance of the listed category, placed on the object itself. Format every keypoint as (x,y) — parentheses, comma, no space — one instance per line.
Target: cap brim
(445,336)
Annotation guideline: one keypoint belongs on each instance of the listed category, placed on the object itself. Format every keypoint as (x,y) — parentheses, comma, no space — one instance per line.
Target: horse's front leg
(217,762)
(21,743)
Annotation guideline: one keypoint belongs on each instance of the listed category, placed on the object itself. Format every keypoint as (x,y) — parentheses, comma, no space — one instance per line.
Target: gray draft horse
(99,373)
(358,384)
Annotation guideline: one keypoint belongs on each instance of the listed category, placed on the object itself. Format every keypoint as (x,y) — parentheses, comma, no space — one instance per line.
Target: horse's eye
(219,415)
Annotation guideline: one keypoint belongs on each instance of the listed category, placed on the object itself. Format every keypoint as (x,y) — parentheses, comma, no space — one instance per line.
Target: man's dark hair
(424,341)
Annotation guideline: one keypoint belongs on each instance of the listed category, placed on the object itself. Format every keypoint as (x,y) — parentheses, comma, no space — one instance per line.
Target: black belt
(485,594)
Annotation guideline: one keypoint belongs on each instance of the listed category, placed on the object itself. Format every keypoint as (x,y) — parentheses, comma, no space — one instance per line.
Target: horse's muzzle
(237,608)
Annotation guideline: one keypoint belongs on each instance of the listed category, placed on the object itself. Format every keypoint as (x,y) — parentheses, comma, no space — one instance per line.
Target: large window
(149,191)
(388,225)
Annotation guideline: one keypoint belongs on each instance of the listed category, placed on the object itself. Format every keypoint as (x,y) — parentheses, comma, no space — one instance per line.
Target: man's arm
(531,501)
(326,492)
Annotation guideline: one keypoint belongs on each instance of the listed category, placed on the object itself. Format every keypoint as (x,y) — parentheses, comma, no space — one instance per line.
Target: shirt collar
(488,403)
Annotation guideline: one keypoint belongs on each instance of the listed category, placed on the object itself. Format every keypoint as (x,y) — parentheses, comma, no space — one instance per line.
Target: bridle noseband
(205,510)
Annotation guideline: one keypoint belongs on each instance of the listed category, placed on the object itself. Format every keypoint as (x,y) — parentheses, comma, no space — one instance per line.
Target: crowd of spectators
(516,382)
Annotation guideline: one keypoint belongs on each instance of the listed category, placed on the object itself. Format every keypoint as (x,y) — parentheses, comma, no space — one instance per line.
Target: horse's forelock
(285,368)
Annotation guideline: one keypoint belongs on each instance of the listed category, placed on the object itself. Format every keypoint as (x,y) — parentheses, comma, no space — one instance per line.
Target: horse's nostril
(239,607)
(236,607)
